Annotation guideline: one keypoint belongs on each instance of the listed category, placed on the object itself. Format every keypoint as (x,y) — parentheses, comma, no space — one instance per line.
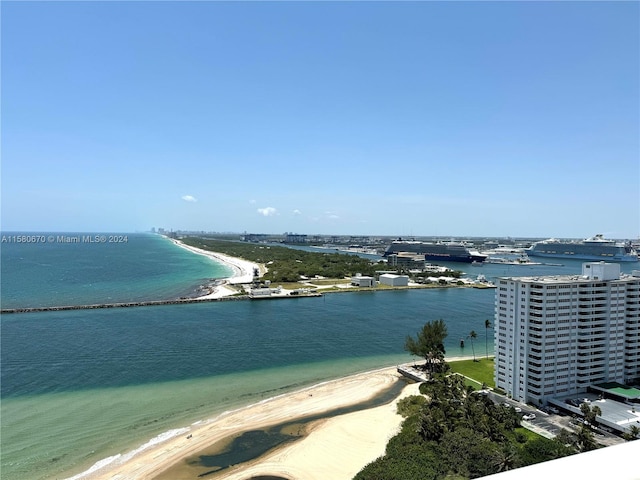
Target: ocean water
(144,267)
(79,387)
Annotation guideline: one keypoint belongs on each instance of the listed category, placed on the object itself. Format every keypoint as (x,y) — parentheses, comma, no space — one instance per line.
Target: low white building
(394,280)
(360,281)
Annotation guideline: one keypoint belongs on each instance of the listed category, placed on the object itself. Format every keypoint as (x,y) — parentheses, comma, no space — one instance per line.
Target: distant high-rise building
(556,335)
(295,238)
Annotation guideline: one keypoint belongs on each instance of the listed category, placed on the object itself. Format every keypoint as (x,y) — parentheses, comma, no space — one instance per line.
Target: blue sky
(381,118)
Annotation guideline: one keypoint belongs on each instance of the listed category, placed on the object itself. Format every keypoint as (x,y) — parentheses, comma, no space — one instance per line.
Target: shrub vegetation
(287,264)
(451,433)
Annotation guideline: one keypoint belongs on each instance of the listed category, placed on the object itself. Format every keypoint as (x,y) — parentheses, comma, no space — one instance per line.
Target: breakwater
(142,303)
(177,301)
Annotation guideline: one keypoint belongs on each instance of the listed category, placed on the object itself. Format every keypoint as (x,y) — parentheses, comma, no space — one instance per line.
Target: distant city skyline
(310,236)
(452,119)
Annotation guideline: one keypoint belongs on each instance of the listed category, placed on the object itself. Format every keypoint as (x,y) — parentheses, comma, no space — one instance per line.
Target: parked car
(529,416)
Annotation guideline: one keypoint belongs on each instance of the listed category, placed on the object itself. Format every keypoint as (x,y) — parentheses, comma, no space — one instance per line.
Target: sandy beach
(242,269)
(351,440)
(336,448)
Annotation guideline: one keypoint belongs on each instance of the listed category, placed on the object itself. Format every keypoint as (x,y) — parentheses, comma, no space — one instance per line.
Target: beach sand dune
(335,448)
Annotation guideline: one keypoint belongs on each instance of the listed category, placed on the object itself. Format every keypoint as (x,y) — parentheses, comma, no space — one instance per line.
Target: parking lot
(549,425)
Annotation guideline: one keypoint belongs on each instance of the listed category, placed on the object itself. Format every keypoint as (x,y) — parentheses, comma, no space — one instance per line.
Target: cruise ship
(439,251)
(594,248)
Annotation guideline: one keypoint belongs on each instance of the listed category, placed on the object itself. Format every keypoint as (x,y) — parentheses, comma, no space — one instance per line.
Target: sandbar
(351,440)
(336,448)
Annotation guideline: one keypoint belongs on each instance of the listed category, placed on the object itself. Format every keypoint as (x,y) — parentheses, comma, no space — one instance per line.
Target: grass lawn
(473,383)
(528,433)
(481,371)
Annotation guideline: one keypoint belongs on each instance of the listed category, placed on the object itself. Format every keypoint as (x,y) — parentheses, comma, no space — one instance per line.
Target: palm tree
(596,412)
(473,335)
(487,326)
(585,440)
(590,413)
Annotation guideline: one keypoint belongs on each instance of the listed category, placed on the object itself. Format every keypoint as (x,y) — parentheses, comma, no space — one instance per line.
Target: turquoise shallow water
(145,267)
(80,386)
(46,435)
(84,385)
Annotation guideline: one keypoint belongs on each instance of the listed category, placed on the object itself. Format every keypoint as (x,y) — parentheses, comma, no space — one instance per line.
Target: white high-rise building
(556,335)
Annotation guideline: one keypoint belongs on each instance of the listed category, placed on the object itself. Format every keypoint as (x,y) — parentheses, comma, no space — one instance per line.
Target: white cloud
(189,198)
(297,212)
(267,211)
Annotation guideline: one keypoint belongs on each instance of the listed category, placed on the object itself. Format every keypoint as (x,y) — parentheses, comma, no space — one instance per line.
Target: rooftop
(553,279)
(615,388)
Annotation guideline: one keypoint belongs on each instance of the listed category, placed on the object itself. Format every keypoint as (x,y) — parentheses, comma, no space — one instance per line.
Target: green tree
(473,335)
(590,413)
(507,458)
(543,449)
(487,326)
(584,439)
(429,344)
(468,454)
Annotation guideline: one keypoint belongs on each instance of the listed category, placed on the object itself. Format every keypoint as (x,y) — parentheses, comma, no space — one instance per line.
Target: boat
(521,259)
(595,248)
(436,251)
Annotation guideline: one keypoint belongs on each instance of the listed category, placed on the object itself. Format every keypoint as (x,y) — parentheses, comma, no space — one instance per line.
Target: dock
(410,371)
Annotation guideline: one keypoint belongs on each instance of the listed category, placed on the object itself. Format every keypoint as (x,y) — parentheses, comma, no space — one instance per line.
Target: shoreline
(168,449)
(242,269)
(220,289)
(242,272)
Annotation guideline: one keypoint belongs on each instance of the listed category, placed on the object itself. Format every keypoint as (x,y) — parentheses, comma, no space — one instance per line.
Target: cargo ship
(594,248)
(438,251)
